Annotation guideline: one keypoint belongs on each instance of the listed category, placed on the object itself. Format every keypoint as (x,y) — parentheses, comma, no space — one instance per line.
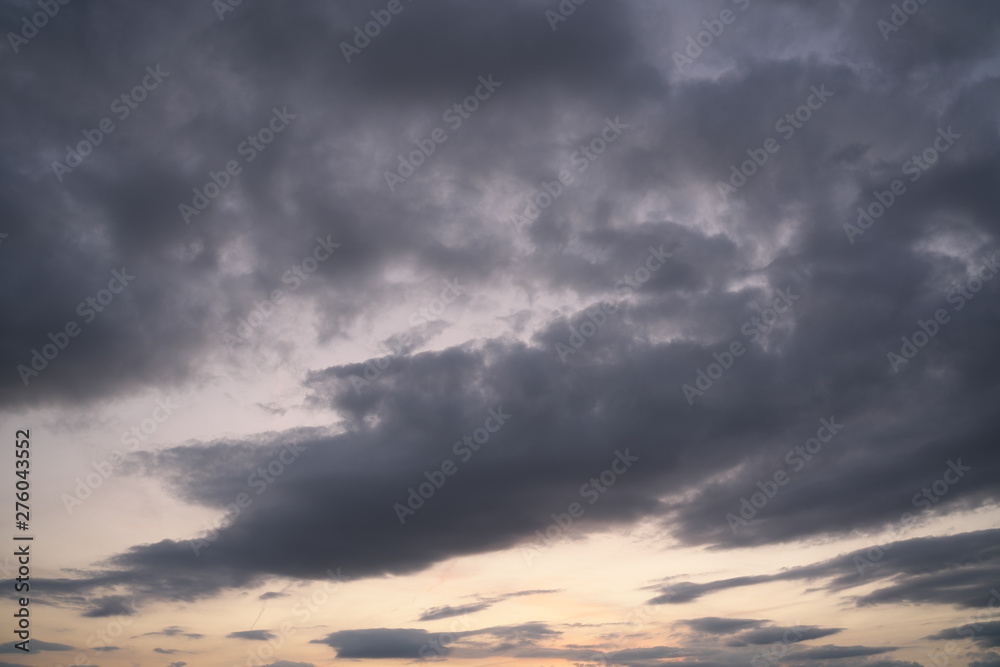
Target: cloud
(381,643)
(255,635)
(627,656)
(174,631)
(522,632)
(178,273)
(698,464)
(854,662)
(328,468)
(35,645)
(270,595)
(986,634)
(776,635)
(536,591)
(436,613)
(630,656)
(830,652)
(112,605)
(949,569)
(447,611)
(721,626)
(377,643)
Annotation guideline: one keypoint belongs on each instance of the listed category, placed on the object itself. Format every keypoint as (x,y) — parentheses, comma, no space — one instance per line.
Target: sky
(524,332)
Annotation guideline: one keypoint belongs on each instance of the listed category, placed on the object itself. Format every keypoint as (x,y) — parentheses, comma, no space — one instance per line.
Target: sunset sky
(521,332)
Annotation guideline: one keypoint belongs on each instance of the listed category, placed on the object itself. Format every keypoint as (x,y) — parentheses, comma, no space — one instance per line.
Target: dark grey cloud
(186,268)
(384,643)
(534,591)
(522,633)
(174,631)
(381,643)
(830,652)
(630,657)
(270,595)
(448,611)
(255,635)
(181,269)
(686,591)
(111,605)
(721,626)
(855,662)
(526,640)
(954,569)
(699,465)
(986,634)
(761,636)
(35,645)
(328,469)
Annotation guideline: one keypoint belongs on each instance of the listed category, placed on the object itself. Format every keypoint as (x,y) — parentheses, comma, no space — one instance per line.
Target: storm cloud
(491,280)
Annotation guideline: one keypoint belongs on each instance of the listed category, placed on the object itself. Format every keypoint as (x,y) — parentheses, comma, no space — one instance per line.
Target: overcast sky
(522,332)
